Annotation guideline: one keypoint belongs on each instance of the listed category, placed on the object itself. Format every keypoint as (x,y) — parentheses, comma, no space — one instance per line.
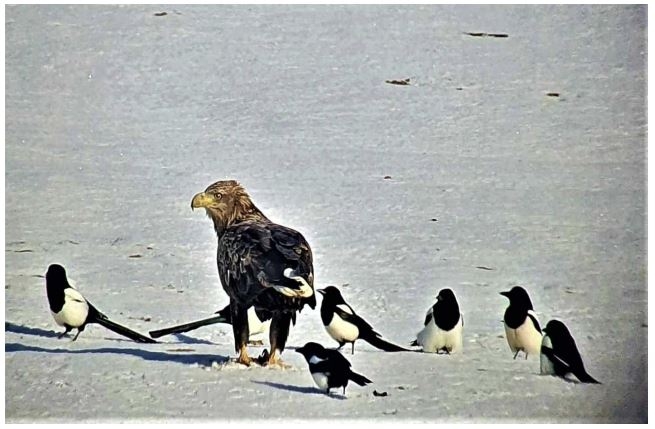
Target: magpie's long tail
(378,342)
(103,320)
(188,326)
(586,378)
(359,379)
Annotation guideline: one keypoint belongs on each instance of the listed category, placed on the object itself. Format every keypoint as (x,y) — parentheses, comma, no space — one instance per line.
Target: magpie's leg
(352,352)
(68,329)
(79,331)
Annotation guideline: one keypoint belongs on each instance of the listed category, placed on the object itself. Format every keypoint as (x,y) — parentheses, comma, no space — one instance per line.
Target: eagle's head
(227,202)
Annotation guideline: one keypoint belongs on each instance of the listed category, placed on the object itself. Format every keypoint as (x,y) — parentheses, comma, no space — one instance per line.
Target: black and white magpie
(521,325)
(329,368)
(560,355)
(443,325)
(344,326)
(71,310)
(255,325)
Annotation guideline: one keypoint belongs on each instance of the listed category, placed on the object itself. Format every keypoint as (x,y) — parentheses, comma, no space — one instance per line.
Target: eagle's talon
(243,358)
(278,363)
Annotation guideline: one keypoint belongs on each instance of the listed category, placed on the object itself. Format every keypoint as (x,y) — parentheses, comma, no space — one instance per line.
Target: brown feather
(252,255)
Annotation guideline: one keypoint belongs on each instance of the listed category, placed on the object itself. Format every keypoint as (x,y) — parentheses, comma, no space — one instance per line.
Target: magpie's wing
(561,365)
(348,314)
(252,258)
(535,321)
(75,301)
(335,360)
(71,294)
(567,349)
(428,317)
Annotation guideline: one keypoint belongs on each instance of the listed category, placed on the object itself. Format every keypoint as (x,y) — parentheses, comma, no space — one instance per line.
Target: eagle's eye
(218,195)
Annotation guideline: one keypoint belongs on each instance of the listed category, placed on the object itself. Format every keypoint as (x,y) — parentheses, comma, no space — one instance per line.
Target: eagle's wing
(252,259)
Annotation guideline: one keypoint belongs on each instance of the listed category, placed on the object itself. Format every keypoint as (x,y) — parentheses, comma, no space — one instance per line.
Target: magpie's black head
(331,295)
(56,277)
(519,297)
(446,296)
(310,349)
(557,329)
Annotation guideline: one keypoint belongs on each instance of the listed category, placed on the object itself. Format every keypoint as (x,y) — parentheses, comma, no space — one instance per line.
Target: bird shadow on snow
(26,330)
(185,339)
(298,389)
(187,359)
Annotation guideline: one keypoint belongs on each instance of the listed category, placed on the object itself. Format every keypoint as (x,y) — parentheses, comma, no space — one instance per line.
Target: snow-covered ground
(116,117)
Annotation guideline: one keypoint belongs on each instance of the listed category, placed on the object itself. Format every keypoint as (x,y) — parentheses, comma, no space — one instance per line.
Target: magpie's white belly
(341,330)
(321,380)
(432,338)
(72,314)
(547,366)
(525,337)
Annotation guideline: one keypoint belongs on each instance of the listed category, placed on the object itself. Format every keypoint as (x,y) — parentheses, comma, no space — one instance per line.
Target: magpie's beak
(321,291)
(505,294)
(438,297)
(300,350)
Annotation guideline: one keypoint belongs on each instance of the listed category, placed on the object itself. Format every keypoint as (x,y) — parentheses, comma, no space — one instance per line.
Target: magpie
(521,324)
(255,324)
(443,325)
(71,310)
(560,355)
(329,368)
(344,326)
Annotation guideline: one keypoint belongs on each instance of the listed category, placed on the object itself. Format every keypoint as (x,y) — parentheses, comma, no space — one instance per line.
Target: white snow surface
(116,117)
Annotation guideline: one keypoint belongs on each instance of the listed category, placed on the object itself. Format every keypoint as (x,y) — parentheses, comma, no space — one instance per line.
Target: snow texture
(503,161)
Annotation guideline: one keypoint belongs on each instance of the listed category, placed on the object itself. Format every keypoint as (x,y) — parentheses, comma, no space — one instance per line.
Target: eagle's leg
(517,353)
(241,332)
(279,331)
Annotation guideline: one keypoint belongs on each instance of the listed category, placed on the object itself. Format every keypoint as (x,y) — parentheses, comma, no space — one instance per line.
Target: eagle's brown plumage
(260,264)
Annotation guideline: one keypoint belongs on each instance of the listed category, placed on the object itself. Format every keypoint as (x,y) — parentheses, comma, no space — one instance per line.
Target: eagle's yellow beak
(201,200)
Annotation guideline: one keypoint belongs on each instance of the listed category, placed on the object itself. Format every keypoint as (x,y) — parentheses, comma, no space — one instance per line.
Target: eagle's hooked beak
(201,200)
